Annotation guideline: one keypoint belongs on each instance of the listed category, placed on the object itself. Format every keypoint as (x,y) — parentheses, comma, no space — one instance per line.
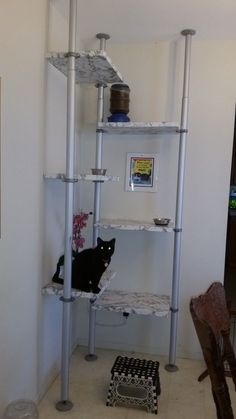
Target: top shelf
(91,66)
(138,127)
(134,225)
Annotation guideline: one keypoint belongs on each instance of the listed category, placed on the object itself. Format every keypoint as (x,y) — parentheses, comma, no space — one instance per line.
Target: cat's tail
(57,280)
(56,277)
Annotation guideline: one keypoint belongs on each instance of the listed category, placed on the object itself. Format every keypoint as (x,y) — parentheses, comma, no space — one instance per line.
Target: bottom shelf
(56,289)
(134,303)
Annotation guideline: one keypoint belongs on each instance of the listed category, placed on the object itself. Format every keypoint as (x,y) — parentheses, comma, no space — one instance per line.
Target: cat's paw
(96,290)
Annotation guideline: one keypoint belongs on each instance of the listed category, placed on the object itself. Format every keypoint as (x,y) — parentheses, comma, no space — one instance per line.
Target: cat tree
(69,178)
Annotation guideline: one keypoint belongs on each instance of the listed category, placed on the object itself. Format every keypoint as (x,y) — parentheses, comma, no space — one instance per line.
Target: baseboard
(51,378)
(152,350)
(119,346)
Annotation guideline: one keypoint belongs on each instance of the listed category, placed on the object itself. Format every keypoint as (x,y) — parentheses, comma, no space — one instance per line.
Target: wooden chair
(212,323)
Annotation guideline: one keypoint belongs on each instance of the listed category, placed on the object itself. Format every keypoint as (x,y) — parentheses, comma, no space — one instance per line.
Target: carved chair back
(212,323)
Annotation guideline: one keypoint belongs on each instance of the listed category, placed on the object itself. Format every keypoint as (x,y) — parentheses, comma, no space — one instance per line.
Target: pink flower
(79,222)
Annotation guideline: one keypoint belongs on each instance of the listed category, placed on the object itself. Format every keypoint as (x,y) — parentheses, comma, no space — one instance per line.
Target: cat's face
(105,248)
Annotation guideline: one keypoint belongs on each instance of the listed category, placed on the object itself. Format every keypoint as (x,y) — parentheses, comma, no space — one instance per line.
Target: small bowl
(161,221)
(99,171)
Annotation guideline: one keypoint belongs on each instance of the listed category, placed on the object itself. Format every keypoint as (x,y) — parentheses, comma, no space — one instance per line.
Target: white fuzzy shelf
(82,177)
(56,289)
(127,128)
(134,303)
(134,225)
(91,66)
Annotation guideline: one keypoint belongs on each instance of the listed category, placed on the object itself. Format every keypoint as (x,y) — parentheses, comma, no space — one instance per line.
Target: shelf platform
(85,177)
(56,289)
(134,303)
(134,225)
(136,128)
(91,66)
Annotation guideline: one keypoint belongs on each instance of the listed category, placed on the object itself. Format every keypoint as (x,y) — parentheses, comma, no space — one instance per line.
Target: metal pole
(64,404)
(188,33)
(91,356)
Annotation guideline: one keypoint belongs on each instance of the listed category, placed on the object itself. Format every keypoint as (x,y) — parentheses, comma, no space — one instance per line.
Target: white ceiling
(153,20)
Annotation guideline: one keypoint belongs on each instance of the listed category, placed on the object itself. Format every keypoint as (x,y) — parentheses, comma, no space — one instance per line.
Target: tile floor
(182,396)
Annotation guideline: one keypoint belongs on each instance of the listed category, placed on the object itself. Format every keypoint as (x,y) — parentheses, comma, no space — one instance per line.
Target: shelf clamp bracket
(182,131)
(174,310)
(71,54)
(69,180)
(177,230)
(67,300)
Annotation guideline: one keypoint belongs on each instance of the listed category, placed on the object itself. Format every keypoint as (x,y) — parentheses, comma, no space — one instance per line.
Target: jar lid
(120,86)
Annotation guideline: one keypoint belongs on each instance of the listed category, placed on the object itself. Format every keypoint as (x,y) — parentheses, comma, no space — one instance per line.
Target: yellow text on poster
(143,166)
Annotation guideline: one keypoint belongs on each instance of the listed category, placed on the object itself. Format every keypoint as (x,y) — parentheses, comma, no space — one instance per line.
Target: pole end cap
(91,357)
(186,32)
(101,35)
(171,368)
(64,405)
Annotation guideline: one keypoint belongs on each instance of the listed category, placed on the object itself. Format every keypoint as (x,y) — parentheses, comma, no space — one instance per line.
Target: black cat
(88,266)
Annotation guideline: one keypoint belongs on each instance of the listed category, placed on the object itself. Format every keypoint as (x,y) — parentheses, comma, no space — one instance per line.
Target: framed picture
(141,172)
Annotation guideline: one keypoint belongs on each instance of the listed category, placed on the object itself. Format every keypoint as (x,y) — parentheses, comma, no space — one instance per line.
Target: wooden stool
(136,382)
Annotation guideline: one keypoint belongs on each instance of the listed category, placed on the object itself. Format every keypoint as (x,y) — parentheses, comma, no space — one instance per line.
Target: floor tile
(178,410)
(182,396)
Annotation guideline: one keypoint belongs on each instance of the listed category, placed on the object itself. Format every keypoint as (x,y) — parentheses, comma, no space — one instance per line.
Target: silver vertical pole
(188,33)
(91,356)
(64,404)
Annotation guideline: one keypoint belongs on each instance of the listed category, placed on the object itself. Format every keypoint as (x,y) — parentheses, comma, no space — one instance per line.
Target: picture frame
(141,172)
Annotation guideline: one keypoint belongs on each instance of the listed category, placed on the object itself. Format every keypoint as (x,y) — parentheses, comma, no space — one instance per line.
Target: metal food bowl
(99,171)
(161,221)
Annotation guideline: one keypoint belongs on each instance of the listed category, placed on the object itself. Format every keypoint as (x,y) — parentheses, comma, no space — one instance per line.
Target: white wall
(143,260)
(22,34)
(30,330)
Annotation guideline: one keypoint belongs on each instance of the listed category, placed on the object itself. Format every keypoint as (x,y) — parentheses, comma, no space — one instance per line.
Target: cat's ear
(113,241)
(99,240)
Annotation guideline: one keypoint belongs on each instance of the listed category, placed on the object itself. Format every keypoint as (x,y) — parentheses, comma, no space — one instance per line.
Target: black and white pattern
(138,375)
(91,66)
(134,303)
(151,128)
(56,289)
(134,225)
